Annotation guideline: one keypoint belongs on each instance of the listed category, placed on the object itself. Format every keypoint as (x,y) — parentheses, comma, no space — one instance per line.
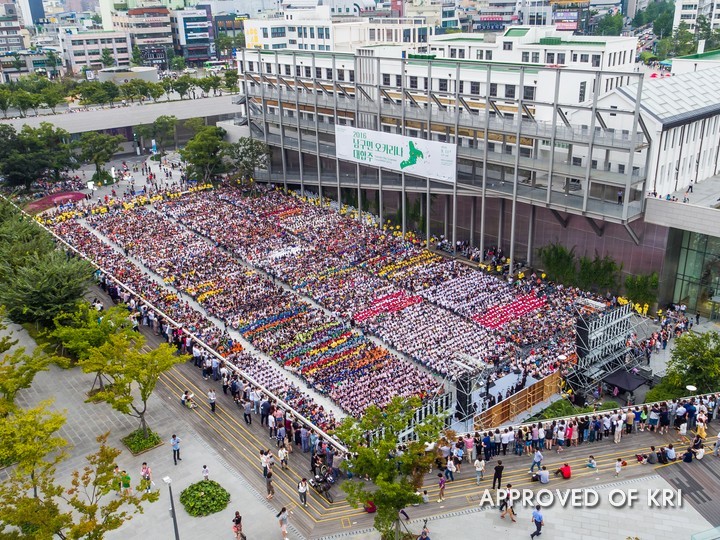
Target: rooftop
(679,99)
(710,55)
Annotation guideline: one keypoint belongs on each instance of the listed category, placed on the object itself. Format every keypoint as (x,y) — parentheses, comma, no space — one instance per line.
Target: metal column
(485,158)
(297,117)
(457,140)
(516,171)
(631,158)
(591,146)
(317,121)
(472,220)
(281,113)
(402,132)
(558,74)
(531,234)
(357,124)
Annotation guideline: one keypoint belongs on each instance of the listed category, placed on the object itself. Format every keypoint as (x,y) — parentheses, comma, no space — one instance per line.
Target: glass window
(536,58)
(550,58)
(493,89)
(596,60)
(443,85)
(507,45)
(475,88)
(561,58)
(488,55)
(413,82)
(526,56)
(529,92)
(510,91)
(386,79)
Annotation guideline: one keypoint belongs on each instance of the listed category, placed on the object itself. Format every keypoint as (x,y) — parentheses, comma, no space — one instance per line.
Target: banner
(398,153)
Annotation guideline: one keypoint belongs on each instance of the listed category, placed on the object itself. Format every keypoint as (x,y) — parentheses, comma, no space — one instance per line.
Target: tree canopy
(247,155)
(205,154)
(395,476)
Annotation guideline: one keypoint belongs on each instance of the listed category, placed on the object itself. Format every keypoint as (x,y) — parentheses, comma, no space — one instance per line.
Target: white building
(316,30)
(688,11)
(541,45)
(191,34)
(695,62)
(84,49)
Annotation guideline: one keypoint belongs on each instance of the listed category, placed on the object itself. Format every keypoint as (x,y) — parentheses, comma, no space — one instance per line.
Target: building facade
(315,30)
(544,152)
(688,11)
(191,32)
(85,49)
(11,34)
(150,31)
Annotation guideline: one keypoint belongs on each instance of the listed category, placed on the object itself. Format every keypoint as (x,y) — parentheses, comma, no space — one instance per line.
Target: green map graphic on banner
(411,155)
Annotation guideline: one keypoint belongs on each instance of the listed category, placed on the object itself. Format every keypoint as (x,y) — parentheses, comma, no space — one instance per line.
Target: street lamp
(168,481)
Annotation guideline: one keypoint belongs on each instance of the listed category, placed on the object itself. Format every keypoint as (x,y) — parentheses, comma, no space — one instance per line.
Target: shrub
(137,442)
(204,498)
(642,288)
(664,391)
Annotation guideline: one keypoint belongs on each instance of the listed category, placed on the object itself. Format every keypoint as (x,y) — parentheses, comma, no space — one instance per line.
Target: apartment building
(316,30)
(688,11)
(150,30)
(11,33)
(84,49)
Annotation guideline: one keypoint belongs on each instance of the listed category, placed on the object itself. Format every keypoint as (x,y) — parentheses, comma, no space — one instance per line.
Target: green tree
(17,372)
(395,478)
(215,83)
(47,285)
(111,91)
(28,438)
(662,26)
(610,25)
(205,154)
(178,63)
(223,45)
(98,148)
(59,149)
(205,84)
(195,124)
(84,329)
(182,85)
(231,80)
(137,59)
(52,61)
(167,84)
(22,100)
(598,274)
(642,288)
(162,129)
(683,40)
(52,97)
(6,100)
(558,262)
(84,511)
(106,58)
(695,360)
(156,91)
(133,373)
(18,63)
(247,155)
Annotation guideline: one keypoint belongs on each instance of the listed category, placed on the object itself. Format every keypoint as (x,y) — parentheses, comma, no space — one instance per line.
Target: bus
(216,65)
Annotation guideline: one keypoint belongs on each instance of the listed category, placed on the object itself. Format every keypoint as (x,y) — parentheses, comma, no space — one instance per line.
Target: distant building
(689,11)
(315,30)
(84,49)
(11,36)
(191,34)
(150,30)
(695,62)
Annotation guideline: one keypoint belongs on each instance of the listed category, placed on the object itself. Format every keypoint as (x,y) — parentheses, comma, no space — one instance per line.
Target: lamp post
(168,481)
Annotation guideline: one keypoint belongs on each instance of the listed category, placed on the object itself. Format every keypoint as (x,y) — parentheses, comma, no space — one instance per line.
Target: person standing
(146,475)
(441,485)
(283,519)
(269,486)
(497,475)
(125,478)
(211,399)
(205,472)
(537,519)
(247,408)
(175,444)
(302,491)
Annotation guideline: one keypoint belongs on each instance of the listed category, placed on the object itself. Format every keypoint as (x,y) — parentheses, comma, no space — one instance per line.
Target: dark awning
(624,380)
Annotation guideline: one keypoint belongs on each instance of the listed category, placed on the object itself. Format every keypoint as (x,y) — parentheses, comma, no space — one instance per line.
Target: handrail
(174,323)
(619,407)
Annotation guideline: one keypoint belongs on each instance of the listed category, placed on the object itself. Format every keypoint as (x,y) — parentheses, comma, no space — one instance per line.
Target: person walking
(441,485)
(506,506)
(269,486)
(211,399)
(283,519)
(237,526)
(537,461)
(302,491)
(497,475)
(146,475)
(537,519)
(175,444)
(618,467)
(479,469)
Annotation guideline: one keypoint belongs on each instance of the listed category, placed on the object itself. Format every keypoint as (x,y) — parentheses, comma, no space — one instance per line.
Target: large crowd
(438,312)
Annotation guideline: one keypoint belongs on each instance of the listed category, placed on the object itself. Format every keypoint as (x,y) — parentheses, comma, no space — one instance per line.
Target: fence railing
(437,406)
(518,403)
(327,437)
